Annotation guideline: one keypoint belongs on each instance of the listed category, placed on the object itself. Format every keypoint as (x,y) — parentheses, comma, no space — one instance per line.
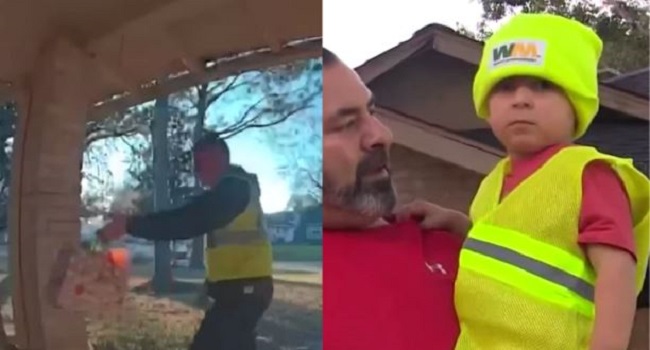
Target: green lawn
(297,253)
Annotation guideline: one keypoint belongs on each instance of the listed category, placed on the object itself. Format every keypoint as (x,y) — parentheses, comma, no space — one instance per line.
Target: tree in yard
(162,200)
(195,103)
(623,25)
(103,138)
(264,99)
(298,147)
(7,130)
(116,125)
(298,202)
(248,101)
(152,168)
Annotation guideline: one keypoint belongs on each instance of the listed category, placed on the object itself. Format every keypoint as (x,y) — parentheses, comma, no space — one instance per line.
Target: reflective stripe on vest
(241,249)
(543,300)
(246,228)
(534,267)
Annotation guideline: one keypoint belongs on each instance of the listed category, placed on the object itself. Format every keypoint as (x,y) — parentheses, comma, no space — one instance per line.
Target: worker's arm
(606,234)
(213,209)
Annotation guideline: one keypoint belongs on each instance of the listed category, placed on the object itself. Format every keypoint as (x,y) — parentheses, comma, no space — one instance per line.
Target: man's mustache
(372,162)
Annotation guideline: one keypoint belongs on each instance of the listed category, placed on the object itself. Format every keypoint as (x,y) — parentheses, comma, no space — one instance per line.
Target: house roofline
(440,38)
(438,130)
(618,82)
(627,75)
(439,143)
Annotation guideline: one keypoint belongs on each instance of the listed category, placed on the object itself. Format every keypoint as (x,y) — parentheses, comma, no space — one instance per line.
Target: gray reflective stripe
(535,267)
(235,237)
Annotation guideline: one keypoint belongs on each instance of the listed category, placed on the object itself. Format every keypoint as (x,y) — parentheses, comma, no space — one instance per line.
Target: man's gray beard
(374,199)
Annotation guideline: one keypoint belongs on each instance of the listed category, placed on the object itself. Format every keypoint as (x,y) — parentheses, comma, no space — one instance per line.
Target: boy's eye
(542,85)
(505,85)
(533,84)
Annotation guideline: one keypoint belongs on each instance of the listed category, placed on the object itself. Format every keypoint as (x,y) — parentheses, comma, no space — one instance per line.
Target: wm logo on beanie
(530,52)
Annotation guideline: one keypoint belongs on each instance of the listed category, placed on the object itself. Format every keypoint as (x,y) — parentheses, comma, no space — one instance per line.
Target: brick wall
(417,175)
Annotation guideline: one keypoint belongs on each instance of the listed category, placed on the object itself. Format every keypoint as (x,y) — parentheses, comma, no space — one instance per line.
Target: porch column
(45,193)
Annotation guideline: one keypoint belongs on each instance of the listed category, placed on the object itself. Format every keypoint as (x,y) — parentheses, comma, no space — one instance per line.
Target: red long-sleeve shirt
(389,288)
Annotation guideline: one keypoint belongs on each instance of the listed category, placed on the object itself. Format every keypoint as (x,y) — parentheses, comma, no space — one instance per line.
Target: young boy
(559,244)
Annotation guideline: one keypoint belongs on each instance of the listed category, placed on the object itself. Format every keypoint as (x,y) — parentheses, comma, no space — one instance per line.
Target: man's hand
(432,216)
(114,230)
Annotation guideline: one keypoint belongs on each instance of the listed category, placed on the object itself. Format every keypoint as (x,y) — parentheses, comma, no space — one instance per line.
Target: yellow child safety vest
(242,249)
(523,280)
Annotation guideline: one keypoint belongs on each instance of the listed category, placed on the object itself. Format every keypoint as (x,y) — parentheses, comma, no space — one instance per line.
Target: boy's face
(528,114)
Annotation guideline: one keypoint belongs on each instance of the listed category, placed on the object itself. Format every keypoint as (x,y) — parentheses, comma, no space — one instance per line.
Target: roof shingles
(637,82)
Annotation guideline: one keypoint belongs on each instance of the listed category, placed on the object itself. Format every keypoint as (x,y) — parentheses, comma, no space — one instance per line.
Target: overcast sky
(357,30)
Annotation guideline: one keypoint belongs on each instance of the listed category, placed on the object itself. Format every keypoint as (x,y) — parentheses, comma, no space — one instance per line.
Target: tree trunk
(162,278)
(198,243)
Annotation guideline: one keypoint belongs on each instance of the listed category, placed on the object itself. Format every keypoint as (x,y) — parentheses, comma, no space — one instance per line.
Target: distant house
(310,229)
(302,227)
(281,226)
(423,89)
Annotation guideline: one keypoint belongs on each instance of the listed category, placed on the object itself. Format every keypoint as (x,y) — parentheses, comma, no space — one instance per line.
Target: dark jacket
(214,209)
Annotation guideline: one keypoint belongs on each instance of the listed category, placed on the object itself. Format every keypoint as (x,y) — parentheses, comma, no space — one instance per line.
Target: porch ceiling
(130,44)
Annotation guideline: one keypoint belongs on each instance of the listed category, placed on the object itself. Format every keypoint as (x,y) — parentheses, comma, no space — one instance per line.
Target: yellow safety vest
(242,249)
(523,280)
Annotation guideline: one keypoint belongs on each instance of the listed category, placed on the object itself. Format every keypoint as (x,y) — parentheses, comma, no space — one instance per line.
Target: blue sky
(251,148)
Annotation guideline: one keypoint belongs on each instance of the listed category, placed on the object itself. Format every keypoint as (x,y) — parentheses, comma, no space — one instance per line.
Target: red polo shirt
(605,215)
(389,288)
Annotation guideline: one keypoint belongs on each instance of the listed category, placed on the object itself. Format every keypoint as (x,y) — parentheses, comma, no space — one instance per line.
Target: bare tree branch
(245,122)
(244,116)
(111,134)
(133,148)
(622,10)
(237,129)
(118,125)
(94,177)
(214,96)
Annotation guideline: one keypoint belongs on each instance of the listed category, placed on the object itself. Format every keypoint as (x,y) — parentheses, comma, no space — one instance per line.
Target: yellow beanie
(557,49)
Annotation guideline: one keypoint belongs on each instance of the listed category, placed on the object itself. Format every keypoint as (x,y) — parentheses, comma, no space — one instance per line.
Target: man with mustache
(385,285)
